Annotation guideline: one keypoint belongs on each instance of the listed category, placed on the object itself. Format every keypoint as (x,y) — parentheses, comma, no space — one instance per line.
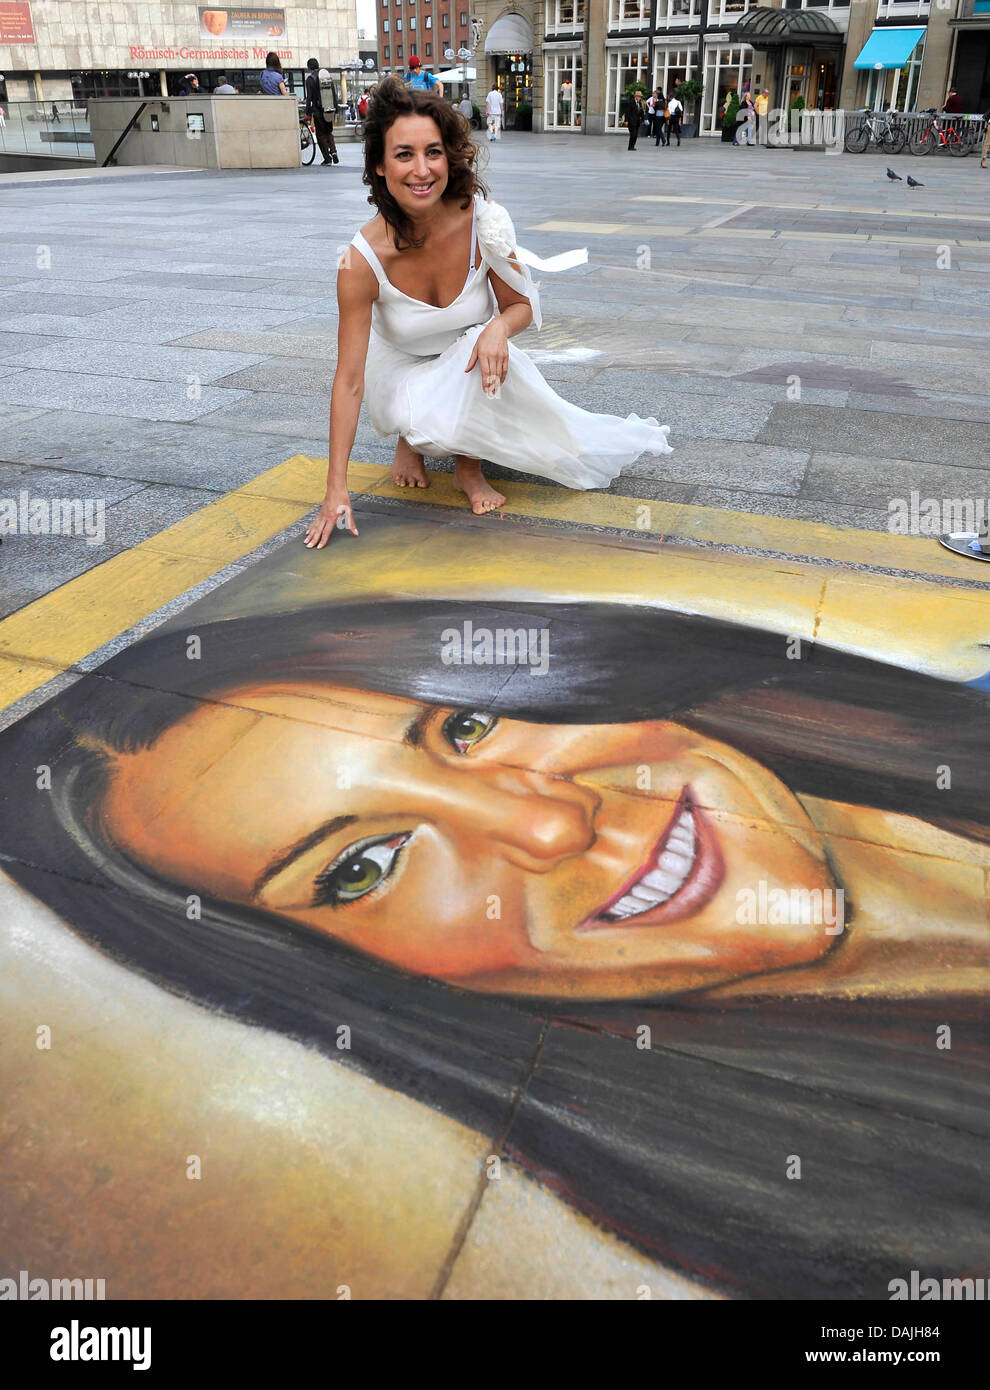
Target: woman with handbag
(660,119)
(745,121)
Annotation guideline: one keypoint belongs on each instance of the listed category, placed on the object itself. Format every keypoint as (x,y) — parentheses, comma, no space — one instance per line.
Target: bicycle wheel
(957,146)
(308,144)
(894,139)
(858,139)
(923,143)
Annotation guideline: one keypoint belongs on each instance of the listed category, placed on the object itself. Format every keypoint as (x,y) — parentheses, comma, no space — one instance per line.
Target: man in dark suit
(633,112)
(322,123)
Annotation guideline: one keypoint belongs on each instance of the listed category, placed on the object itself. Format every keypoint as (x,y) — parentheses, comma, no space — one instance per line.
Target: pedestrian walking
(658,125)
(674,113)
(55,114)
(322,126)
(745,121)
(466,107)
(762,104)
(273,79)
(3,118)
(494,111)
(633,113)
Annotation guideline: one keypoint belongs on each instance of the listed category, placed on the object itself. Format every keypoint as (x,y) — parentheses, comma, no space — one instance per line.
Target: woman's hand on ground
(491,353)
(336,506)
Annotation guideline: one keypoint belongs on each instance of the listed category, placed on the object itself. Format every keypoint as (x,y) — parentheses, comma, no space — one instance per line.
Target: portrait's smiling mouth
(683,872)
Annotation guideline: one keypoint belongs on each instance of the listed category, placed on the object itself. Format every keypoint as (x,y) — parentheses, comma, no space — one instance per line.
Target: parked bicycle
(938,137)
(307,138)
(878,128)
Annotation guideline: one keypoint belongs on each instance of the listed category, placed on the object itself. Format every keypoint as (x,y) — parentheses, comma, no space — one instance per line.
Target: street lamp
(139,77)
(463,55)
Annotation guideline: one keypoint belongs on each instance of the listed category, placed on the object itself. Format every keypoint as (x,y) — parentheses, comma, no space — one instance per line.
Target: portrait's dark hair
(313,64)
(391,100)
(680,1147)
(272,60)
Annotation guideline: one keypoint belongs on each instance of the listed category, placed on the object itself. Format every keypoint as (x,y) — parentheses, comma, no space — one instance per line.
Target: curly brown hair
(393,99)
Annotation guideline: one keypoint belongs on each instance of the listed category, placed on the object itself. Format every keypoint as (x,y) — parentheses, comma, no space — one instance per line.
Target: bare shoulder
(374,231)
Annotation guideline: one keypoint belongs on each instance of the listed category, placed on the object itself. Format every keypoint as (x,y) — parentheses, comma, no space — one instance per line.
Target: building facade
(424,28)
(68,50)
(572,60)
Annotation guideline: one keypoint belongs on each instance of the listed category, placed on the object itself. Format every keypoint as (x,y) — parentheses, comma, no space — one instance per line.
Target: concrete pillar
(39,91)
(852,88)
(935,68)
(595,28)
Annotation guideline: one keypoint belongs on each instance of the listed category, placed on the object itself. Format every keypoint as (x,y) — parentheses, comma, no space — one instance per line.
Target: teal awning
(888,48)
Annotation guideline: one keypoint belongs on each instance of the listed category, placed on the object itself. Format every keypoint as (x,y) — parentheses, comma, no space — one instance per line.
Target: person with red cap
(420,80)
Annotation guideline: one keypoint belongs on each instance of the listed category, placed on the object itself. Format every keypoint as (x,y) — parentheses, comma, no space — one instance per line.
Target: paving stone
(717,462)
(12,344)
(843,478)
(272,412)
(274,344)
(150,362)
(690,415)
(793,508)
(185,455)
(29,302)
(878,433)
(111,395)
(298,375)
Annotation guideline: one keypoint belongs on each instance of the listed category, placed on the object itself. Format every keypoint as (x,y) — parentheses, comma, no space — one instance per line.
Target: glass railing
(54,130)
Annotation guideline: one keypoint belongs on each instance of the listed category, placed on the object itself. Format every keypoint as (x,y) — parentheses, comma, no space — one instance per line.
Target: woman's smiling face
(591,861)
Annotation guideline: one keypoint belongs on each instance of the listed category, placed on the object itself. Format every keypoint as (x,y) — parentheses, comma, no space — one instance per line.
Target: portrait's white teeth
(627,906)
(662,881)
(665,877)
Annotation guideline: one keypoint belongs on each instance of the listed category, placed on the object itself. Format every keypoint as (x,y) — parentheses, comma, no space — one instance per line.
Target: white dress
(416,385)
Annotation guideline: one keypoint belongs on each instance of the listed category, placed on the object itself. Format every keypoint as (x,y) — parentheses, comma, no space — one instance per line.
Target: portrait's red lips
(699,885)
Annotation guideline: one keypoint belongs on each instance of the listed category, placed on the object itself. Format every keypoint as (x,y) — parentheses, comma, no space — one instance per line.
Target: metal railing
(49,129)
(827,129)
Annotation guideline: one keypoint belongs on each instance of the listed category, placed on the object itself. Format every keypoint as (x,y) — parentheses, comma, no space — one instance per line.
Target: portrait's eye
(464,728)
(360,868)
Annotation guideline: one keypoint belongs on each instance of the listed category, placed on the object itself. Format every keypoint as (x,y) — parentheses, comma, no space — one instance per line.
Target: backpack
(363,106)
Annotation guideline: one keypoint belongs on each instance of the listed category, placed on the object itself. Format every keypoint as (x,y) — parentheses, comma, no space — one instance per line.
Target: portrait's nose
(533,820)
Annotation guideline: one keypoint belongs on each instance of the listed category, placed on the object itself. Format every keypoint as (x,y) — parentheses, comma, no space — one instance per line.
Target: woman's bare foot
(469,479)
(407,467)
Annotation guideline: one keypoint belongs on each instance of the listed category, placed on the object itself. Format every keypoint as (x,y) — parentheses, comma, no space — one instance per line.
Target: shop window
(625,66)
(562,91)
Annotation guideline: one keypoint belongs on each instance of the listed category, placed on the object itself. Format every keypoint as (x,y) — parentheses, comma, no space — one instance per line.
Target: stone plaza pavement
(814,335)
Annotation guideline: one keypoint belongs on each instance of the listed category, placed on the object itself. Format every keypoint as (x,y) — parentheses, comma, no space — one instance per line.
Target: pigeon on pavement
(894,177)
(913,183)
